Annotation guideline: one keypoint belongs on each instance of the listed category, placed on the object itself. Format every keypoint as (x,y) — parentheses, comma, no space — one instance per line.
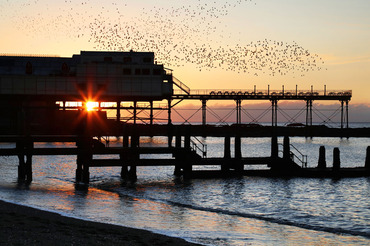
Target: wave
(272,220)
(255,216)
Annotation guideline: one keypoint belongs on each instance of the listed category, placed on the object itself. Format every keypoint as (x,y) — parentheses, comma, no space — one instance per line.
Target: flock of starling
(179,33)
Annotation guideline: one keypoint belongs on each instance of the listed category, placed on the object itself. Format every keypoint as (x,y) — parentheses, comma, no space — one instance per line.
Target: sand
(20,225)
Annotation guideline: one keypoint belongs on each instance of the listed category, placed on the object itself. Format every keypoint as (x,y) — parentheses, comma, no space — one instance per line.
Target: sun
(90,105)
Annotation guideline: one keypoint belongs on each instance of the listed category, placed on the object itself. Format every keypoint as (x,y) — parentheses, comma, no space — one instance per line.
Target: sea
(218,211)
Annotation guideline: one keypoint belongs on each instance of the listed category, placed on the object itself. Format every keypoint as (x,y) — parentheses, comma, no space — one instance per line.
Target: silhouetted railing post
(322,158)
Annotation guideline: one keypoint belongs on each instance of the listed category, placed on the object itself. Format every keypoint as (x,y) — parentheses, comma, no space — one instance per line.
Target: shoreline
(22,225)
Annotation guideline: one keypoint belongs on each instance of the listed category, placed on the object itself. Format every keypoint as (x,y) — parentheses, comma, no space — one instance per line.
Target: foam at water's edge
(89,220)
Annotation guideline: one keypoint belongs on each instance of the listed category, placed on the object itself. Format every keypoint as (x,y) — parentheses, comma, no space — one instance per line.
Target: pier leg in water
(322,158)
(286,149)
(336,159)
(238,154)
(225,167)
(177,171)
(274,152)
(367,161)
(22,164)
(28,164)
(79,168)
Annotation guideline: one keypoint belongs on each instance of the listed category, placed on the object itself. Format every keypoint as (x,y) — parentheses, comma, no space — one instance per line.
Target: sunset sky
(231,44)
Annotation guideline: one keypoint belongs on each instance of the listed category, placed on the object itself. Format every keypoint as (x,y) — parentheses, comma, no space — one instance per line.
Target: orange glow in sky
(209,44)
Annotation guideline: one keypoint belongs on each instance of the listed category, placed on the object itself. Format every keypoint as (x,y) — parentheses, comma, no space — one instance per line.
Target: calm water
(239,211)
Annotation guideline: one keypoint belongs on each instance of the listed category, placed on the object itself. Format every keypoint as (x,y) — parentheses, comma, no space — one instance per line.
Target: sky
(232,44)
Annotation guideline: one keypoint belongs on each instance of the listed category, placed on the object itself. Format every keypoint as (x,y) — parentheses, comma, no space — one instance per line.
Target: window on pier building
(147,60)
(29,68)
(127,59)
(126,71)
(137,71)
(157,71)
(108,59)
(146,71)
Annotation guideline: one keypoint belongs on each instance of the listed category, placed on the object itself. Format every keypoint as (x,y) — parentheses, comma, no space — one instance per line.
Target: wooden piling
(336,159)
(322,158)
(367,160)
(286,148)
(178,156)
(274,151)
(238,165)
(227,154)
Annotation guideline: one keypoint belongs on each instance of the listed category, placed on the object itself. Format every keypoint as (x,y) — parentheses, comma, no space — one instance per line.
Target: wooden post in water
(286,148)
(134,156)
(28,164)
(187,160)
(22,164)
(225,166)
(227,154)
(336,159)
(322,158)
(274,151)
(178,155)
(367,161)
(87,158)
(238,154)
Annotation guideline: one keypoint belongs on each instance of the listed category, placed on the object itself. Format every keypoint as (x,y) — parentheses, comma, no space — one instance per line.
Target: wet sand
(21,225)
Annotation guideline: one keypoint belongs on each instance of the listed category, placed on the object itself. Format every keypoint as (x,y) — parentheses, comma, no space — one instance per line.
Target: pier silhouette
(52,99)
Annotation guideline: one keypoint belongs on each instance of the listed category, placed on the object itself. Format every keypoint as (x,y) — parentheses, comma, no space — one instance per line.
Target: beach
(20,225)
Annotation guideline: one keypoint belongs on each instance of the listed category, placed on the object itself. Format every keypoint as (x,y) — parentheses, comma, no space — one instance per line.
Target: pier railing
(296,155)
(183,88)
(197,145)
(253,92)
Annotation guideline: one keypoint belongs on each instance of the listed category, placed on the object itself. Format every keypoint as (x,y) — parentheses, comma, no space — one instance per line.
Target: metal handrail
(252,92)
(181,85)
(302,159)
(195,147)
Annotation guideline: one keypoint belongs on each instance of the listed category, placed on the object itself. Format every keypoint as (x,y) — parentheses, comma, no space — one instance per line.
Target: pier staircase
(181,85)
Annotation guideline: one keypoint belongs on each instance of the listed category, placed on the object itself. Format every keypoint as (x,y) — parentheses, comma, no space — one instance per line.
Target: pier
(69,100)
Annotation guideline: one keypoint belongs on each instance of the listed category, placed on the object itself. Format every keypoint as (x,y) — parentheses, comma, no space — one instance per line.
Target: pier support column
(225,166)
(178,155)
(238,111)
(344,114)
(286,149)
(274,151)
(336,159)
(124,155)
(238,154)
(274,111)
(151,113)
(22,164)
(135,112)
(84,158)
(204,112)
(367,160)
(118,114)
(309,113)
(28,166)
(24,149)
(322,158)
(169,112)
